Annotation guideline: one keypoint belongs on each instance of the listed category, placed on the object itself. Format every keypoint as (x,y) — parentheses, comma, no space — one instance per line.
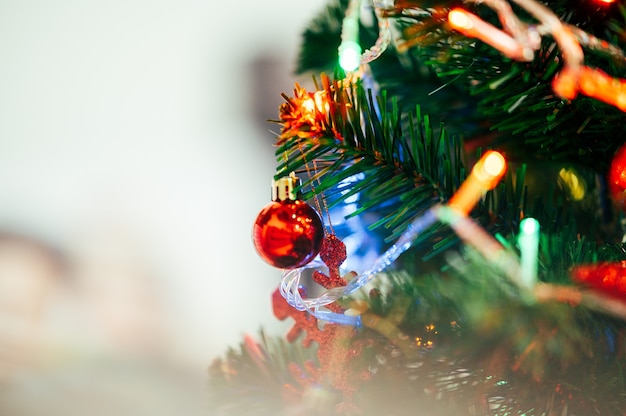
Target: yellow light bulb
(572,184)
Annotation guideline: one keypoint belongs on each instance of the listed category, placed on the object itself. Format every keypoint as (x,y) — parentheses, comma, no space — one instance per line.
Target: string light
(485,175)
(574,185)
(593,83)
(473,26)
(351,56)
(519,40)
(290,282)
(528,240)
(484,243)
(350,49)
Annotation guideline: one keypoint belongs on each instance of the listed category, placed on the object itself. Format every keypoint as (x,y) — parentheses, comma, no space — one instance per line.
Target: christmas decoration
(350,57)
(593,83)
(617,177)
(336,349)
(528,240)
(288,232)
(607,277)
(480,141)
(350,49)
(472,26)
(485,176)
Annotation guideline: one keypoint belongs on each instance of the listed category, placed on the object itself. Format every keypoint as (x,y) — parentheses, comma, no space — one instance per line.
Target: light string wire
(384,33)
(472,234)
(569,38)
(350,34)
(290,282)
(464,226)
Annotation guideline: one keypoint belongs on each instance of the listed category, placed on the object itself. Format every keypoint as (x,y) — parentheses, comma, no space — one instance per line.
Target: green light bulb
(529,226)
(350,56)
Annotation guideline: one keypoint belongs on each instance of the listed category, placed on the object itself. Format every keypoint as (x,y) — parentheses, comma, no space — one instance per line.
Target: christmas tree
(447,213)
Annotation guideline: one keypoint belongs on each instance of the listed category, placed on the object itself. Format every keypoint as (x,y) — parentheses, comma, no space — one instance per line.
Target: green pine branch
(363,148)
(399,165)
(482,95)
(516,97)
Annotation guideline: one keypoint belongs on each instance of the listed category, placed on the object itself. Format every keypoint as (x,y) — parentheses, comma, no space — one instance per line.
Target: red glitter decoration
(304,322)
(607,277)
(337,350)
(333,254)
(617,177)
(337,346)
(288,234)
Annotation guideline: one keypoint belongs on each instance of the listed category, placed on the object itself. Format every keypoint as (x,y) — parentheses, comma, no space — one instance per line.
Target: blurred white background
(134,158)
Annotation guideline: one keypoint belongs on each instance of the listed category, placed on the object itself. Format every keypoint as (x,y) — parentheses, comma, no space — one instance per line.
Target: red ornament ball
(617,177)
(288,234)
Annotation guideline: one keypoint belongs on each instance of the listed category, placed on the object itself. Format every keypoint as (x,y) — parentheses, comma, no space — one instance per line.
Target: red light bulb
(617,177)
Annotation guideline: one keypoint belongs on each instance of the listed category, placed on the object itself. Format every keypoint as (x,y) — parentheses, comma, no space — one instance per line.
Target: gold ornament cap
(284,188)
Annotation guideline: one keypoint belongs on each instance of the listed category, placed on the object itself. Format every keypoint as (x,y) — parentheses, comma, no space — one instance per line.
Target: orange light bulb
(485,175)
(459,19)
